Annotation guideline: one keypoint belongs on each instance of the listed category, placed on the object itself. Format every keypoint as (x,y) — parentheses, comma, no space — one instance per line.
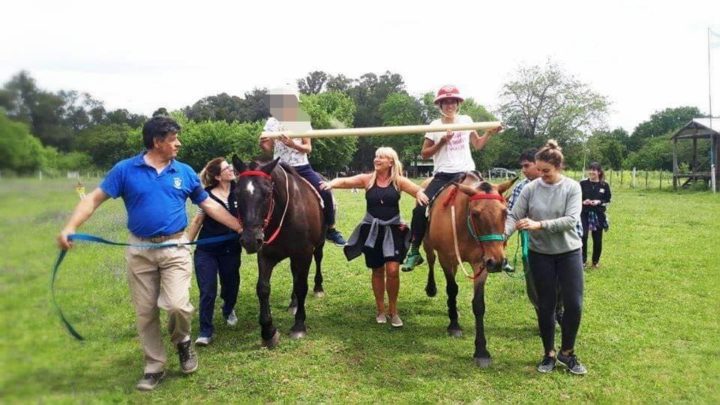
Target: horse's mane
(253,165)
(288,168)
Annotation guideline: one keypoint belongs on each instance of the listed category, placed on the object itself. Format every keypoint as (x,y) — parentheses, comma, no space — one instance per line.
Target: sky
(645,56)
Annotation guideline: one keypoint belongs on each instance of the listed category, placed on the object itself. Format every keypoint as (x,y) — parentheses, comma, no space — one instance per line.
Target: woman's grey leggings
(549,272)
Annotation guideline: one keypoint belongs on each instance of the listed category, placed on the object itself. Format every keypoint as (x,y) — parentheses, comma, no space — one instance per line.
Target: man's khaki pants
(160,278)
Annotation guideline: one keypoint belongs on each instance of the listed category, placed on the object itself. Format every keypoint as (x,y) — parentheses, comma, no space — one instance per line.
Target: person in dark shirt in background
(595,198)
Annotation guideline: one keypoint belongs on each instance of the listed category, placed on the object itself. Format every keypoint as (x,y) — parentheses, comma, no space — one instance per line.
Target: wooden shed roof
(699,128)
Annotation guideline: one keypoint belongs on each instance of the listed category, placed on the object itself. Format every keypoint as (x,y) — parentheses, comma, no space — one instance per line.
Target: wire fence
(632,179)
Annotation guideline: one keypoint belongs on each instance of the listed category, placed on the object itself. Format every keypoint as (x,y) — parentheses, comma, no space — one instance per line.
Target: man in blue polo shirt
(155,187)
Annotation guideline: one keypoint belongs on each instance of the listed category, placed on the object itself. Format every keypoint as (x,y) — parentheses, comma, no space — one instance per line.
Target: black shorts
(374,256)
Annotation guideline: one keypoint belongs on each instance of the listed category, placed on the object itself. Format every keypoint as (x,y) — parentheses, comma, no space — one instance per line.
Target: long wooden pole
(377,131)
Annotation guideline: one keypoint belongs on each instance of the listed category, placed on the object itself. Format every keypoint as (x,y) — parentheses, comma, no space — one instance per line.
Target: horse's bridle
(490,237)
(271,203)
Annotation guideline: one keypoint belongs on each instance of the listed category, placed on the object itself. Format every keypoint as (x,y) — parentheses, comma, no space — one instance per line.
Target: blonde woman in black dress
(381,235)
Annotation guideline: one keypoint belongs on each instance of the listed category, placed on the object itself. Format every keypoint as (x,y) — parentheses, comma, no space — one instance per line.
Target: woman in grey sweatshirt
(549,209)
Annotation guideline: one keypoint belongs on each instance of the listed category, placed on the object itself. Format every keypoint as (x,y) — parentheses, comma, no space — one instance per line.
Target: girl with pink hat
(451,158)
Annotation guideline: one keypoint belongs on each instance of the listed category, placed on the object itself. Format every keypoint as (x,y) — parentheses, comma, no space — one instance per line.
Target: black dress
(383,203)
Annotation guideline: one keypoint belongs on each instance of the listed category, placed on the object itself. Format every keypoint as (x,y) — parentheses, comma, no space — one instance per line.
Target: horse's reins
(266,221)
(96,239)
(524,246)
(491,237)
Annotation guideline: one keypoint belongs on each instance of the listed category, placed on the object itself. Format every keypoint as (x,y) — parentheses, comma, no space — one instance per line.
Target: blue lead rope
(92,238)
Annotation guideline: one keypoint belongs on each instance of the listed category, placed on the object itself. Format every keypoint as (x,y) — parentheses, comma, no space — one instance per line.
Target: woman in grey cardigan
(549,209)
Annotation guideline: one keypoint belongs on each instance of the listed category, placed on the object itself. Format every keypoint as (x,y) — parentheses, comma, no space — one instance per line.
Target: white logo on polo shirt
(177,182)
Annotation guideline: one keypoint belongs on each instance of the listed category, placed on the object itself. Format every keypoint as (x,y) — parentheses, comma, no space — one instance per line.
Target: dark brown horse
(282,217)
(476,237)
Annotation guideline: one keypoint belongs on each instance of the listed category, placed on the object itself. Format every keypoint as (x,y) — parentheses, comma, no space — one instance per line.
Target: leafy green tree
(41,110)
(19,150)
(476,111)
(400,109)
(503,150)
(368,93)
(202,141)
(662,123)
(53,117)
(56,162)
(120,117)
(656,154)
(224,107)
(545,102)
(106,144)
(329,110)
(339,83)
(430,110)
(80,110)
(254,107)
(313,83)
(608,148)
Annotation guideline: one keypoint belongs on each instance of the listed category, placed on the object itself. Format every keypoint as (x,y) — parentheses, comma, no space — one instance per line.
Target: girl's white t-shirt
(454,156)
(287,155)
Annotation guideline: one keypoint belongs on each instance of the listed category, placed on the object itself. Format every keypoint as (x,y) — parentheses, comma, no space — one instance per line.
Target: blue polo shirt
(155,203)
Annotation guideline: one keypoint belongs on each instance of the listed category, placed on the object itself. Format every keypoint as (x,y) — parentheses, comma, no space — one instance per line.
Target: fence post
(621,177)
(646,179)
(634,178)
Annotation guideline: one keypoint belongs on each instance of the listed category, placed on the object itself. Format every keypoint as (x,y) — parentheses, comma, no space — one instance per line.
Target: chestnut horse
(281,217)
(477,237)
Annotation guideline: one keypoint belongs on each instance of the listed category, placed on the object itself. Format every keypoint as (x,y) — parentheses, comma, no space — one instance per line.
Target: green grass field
(650,330)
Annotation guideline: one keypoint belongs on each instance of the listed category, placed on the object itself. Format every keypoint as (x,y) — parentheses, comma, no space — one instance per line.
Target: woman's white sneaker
(203,340)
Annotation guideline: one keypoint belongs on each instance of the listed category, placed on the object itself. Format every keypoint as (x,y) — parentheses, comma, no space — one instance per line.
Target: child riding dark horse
(282,218)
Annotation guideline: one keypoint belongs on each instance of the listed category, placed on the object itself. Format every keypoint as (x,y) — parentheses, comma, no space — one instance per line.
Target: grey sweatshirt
(557,207)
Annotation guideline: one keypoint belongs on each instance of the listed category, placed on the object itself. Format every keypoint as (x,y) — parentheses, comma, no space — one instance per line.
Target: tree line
(67,130)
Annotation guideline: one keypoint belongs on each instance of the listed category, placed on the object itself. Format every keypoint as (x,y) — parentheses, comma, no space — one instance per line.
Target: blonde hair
(395,171)
(551,153)
(211,170)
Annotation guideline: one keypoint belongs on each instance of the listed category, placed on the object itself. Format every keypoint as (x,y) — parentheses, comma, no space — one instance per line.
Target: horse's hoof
(483,362)
(274,340)
(319,294)
(431,291)
(455,332)
(295,335)
(292,310)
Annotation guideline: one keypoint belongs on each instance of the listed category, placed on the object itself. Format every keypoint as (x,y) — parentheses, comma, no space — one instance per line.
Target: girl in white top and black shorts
(451,158)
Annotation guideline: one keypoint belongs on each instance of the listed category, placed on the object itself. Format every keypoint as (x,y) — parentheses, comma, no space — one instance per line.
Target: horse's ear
(503,187)
(238,164)
(471,191)
(269,167)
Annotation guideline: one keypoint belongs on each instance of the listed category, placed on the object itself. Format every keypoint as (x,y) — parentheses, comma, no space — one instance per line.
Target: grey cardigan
(354,246)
